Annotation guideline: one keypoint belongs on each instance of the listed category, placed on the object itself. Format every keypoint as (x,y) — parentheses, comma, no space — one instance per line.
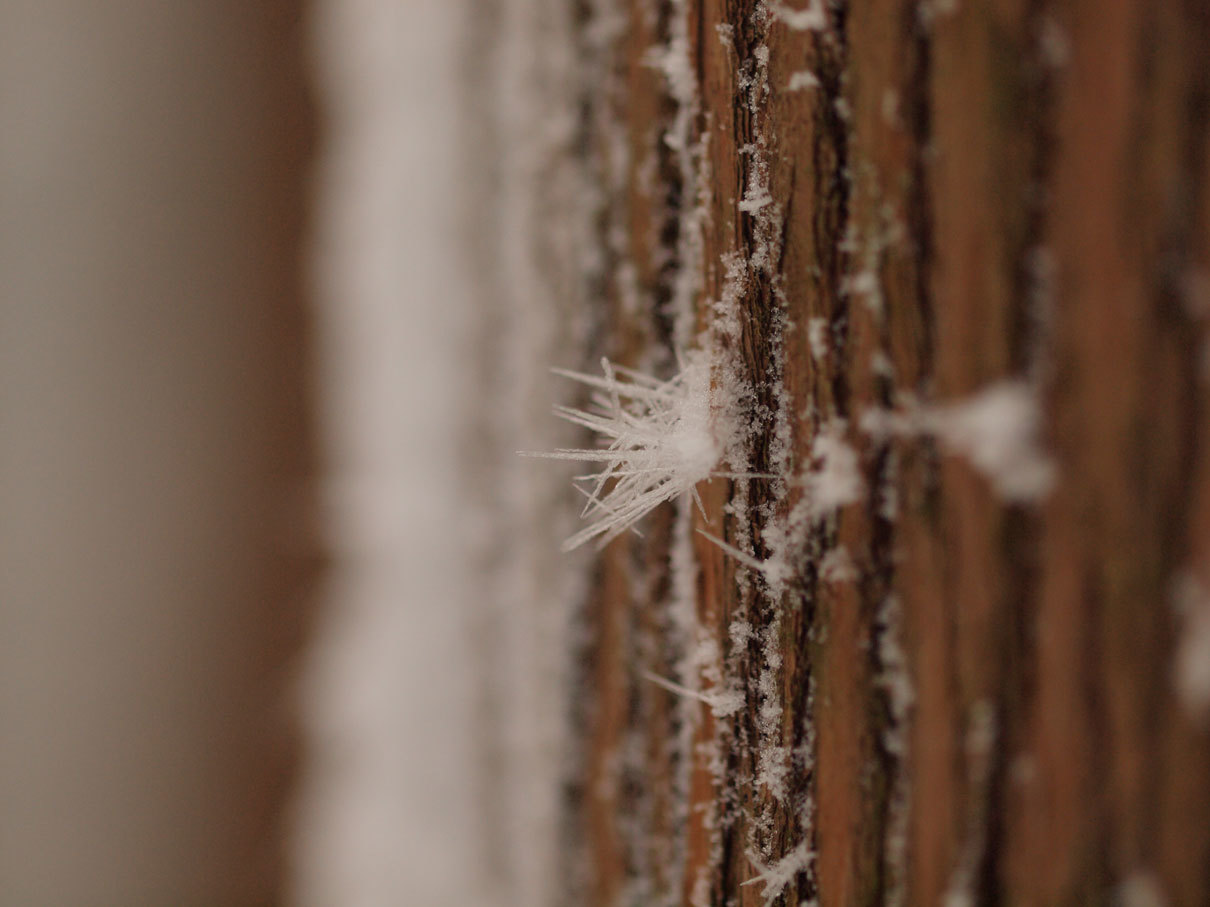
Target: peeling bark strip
(962,246)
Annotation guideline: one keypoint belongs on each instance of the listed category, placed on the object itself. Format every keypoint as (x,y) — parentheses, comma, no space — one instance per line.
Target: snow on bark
(1191,661)
(997,430)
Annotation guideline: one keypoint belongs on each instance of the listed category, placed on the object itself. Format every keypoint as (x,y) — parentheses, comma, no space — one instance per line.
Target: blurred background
(253,558)
(158,552)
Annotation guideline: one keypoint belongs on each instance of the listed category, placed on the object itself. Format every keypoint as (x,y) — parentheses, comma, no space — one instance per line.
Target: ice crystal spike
(660,439)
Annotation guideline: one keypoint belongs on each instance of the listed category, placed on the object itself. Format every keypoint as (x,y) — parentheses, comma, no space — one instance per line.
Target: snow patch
(813,18)
(890,108)
(996,429)
(1140,889)
(837,566)
(817,338)
(834,480)
(929,11)
(1191,663)
(1053,43)
(773,768)
(881,365)
(801,80)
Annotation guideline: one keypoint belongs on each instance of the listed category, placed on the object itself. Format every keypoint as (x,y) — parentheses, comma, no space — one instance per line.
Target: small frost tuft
(890,108)
(832,481)
(722,703)
(776,876)
(663,437)
(882,366)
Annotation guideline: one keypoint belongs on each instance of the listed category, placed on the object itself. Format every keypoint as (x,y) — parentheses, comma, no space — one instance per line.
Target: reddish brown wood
(1025,182)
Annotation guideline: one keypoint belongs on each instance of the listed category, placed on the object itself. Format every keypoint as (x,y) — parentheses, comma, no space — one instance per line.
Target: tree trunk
(966,241)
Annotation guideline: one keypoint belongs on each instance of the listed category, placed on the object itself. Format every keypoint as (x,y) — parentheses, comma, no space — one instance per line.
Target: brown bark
(1024,182)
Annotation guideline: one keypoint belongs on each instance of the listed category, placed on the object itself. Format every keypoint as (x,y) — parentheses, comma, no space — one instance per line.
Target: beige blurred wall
(154,447)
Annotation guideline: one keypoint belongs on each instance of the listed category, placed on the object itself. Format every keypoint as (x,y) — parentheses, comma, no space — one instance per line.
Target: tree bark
(912,204)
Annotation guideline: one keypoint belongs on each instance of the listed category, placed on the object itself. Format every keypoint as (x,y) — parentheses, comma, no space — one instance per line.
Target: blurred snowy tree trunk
(968,242)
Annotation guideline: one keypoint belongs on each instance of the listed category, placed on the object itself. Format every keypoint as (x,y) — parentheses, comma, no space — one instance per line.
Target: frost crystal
(663,437)
(722,702)
(776,876)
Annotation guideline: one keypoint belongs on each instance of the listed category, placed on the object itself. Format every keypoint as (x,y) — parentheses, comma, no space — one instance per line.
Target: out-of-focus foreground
(155,447)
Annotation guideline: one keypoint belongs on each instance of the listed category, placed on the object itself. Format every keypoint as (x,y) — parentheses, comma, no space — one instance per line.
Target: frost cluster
(660,439)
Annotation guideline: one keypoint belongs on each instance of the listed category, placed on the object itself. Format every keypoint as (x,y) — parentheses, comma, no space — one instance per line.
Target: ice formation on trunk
(663,438)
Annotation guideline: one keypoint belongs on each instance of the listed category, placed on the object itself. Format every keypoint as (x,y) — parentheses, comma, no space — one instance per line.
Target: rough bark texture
(963,193)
